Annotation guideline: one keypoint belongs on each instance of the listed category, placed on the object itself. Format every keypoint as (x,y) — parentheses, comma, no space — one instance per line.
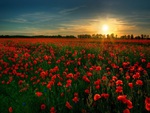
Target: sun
(105,28)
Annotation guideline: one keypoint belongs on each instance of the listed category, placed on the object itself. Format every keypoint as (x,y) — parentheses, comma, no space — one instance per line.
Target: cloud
(70,10)
(16,20)
(32,18)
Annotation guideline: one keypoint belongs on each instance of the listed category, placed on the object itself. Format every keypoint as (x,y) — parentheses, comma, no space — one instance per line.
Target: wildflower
(143,60)
(130,85)
(122,98)
(114,78)
(91,69)
(68,105)
(97,82)
(15,55)
(147,106)
(76,94)
(129,104)
(53,77)
(26,55)
(147,103)
(87,91)
(35,62)
(125,64)
(70,75)
(43,74)
(105,95)
(46,57)
(52,110)
(139,82)
(89,74)
(97,97)
(43,106)
(104,78)
(119,82)
(126,111)
(49,85)
(85,78)
(39,94)
(119,89)
(68,83)
(20,82)
(148,65)
(132,69)
(97,86)
(127,77)
(140,68)
(10,109)
(147,100)
(98,68)
(75,99)
(59,84)
(136,76)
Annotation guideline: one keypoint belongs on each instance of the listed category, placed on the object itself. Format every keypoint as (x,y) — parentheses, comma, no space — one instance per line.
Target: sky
(74,17)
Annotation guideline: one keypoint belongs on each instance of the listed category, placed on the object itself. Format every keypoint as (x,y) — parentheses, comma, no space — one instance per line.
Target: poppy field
(74,75)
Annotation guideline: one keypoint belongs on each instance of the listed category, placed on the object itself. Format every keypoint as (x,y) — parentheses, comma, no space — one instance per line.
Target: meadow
(74,75)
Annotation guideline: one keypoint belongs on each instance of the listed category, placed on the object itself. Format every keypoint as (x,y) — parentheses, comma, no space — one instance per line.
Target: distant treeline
(99,36)
(112,36)
(37,36)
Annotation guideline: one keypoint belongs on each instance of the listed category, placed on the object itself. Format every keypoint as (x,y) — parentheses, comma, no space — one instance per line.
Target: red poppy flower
(136,76)
(119,82)
(70,75)
(43,106)
(69,81)
(127,77)
(130,85)
(10,109)
(35,62)
(46,57)
(97,86)
(122,98)
(52,110)
(87,91)
(86,79)
(119,89)
(126,111)
(89,74)
(139,82)
(15,55)
(97,82)
(147,106)
(98,68)
(129,104)
(68,105)
(105,95)
(97,97)
(104,78)
(59,84)
(39,94)
(114,78)
(75,99)
(148,65)
(147,103)
(75,94)
(147,100)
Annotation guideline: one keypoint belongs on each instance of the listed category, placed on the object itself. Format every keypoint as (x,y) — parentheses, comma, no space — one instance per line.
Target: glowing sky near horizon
(73,17)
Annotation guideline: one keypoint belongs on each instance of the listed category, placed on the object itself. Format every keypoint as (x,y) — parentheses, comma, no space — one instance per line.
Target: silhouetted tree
(132,36)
